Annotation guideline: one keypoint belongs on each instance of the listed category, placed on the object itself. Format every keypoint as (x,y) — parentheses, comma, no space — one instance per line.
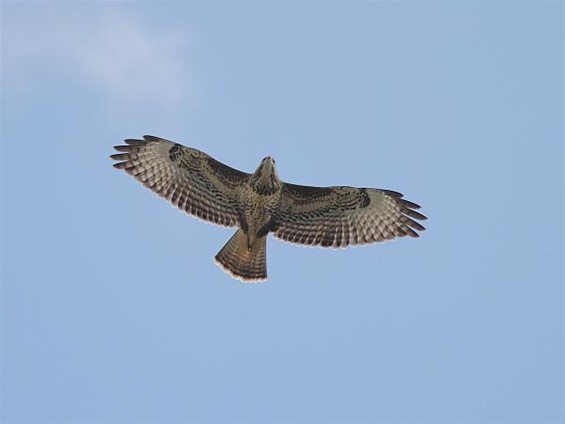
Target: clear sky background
(112,308)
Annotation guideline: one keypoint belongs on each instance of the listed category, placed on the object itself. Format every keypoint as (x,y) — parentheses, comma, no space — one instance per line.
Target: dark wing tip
(120,165)
(413,214)
(410,204)
(132,146)
(410,232)
(393,193)
(123,148)
(408,207)
(125,158)
(400,197)
(152,139)
(120,156)
(419,227)
(409,227)
(408,210)
(135,142)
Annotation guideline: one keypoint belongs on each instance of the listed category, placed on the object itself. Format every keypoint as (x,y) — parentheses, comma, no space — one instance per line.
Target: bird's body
(245,256)
(260,203)
(260,200)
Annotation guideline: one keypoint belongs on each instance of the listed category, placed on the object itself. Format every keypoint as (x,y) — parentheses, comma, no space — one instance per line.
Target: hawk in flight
(260,203)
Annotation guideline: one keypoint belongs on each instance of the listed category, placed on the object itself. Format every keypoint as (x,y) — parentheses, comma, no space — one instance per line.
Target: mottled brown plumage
(260,203)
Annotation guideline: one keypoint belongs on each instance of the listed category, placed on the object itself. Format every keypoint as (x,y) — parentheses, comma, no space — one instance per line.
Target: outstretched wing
(190,179)
(343,216)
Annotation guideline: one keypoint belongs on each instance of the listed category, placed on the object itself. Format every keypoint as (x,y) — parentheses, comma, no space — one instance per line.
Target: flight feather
(190,179)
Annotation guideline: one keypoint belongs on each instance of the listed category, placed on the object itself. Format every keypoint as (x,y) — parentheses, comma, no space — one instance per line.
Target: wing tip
(147,138)
(120,156)
(408,208)
(135,142)
(413,214)
(120,165)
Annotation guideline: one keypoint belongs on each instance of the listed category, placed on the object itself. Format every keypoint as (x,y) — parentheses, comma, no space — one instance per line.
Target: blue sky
(112,309)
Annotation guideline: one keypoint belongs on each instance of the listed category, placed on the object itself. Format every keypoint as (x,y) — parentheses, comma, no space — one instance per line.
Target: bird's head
(266,179)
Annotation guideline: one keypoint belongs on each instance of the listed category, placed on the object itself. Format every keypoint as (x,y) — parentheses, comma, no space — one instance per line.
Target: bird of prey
(260,203)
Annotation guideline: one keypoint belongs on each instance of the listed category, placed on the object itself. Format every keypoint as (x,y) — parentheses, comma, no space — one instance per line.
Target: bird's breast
(258,210)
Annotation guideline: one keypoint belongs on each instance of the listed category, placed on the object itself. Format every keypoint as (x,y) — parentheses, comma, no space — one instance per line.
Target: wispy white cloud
(125,56)
(119,56)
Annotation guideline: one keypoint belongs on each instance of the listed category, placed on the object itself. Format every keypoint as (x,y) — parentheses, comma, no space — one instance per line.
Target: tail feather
(247,265)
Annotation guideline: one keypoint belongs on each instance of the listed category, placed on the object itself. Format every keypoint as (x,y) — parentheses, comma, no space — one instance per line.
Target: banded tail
(247,265)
